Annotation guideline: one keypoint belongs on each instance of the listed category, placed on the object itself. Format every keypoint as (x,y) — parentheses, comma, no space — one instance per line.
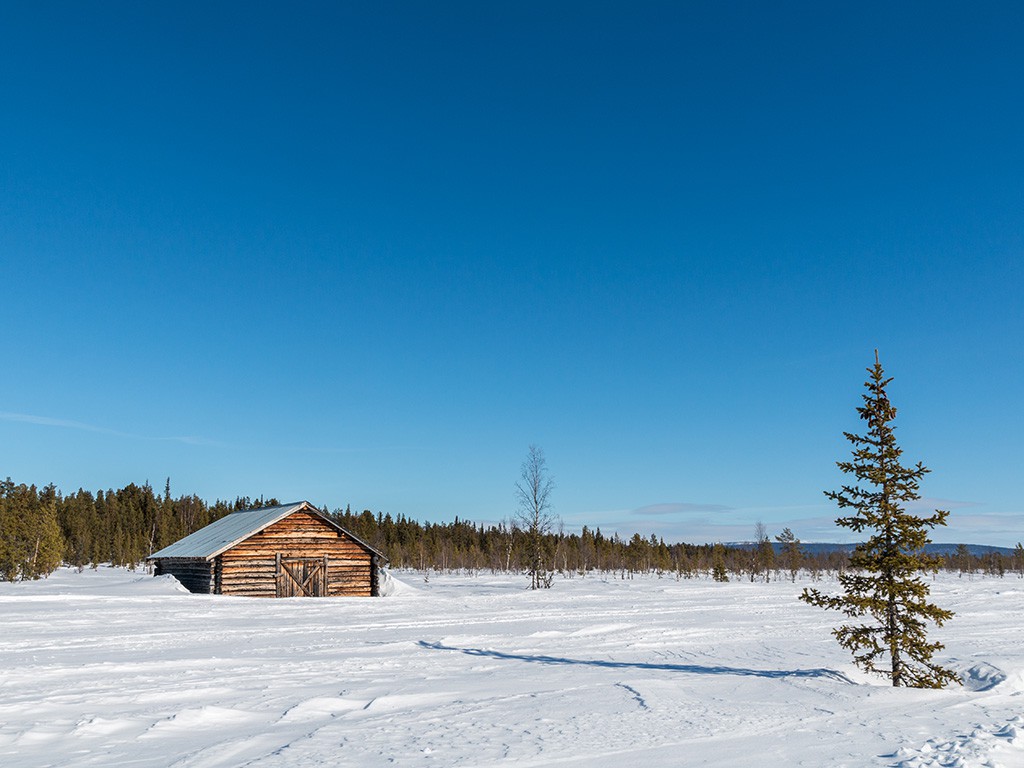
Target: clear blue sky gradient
(368,254)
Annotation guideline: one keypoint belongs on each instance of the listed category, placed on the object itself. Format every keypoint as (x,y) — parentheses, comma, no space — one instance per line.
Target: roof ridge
(275,506)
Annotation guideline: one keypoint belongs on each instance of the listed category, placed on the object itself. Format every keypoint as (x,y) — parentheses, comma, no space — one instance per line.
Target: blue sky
(367,255)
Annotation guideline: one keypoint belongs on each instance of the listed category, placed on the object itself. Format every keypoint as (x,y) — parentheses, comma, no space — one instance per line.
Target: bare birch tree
(534,515)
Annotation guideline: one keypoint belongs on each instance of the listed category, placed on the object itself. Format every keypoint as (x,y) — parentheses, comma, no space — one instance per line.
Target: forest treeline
(41,529)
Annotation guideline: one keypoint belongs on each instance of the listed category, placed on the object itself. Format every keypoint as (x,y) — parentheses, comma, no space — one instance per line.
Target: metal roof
(221,535)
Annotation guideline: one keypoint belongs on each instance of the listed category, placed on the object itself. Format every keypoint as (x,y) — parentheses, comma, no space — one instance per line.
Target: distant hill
(974,549)
(824,548)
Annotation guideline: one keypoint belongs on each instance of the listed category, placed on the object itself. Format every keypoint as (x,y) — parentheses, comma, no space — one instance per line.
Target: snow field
(112,668)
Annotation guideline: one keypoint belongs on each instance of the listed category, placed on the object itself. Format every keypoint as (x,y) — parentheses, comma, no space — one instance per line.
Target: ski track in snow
(112,668)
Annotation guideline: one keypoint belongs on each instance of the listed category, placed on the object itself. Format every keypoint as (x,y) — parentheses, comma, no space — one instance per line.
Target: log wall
(194,574)
(250,567)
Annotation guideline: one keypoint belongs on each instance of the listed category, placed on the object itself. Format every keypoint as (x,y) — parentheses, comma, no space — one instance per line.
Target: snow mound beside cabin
(389,586)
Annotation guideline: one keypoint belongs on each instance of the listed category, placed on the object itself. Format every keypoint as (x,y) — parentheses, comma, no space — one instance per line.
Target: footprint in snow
(983,748)
(983,677)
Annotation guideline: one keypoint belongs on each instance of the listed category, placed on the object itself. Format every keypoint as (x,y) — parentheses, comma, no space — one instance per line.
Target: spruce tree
(884,583)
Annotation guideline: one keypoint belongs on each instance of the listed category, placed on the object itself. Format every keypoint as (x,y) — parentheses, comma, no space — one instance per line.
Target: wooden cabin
(289,551)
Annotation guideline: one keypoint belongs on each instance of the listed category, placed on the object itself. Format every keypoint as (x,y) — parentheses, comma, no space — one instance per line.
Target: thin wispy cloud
(928,503)
(47,421)
(680,508)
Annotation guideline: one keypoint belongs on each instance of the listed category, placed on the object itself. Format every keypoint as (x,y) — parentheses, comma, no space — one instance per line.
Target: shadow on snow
(693,669)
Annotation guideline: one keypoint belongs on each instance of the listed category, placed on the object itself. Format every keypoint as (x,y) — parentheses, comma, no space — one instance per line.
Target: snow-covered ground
(112,668)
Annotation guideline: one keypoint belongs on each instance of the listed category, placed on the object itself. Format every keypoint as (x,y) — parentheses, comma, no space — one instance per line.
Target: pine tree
(31,544)
(718,572)
(791,554)
(884,582)
(48,546)
(963,560)
(10,533)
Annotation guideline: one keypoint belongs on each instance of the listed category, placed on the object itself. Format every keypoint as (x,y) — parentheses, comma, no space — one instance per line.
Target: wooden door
(301,576)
